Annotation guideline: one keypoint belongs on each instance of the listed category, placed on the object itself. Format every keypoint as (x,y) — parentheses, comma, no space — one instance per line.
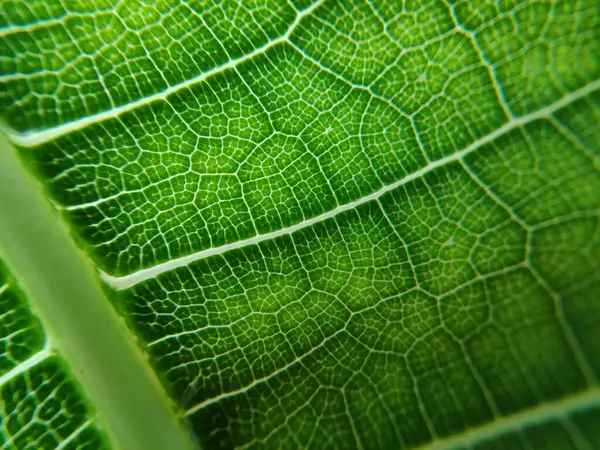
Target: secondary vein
(139,276)
(32,139)
(24,366)
(542,413)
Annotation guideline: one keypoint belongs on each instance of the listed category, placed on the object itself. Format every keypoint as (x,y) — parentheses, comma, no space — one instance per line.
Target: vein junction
(132,279)
(24,366)
(32,139)
(361,224)
(547,412)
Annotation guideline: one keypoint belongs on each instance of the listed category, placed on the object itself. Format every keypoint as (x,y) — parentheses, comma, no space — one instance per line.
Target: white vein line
(134,278)
(261,380)
(4,288)
(74,435)
(46,23)
(34,138)
(542,413)
(24,366)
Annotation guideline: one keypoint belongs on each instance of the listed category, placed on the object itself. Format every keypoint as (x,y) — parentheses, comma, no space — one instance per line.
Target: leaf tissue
(345,224)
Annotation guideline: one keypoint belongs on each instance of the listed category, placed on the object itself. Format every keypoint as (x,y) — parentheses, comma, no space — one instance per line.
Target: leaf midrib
(82,325)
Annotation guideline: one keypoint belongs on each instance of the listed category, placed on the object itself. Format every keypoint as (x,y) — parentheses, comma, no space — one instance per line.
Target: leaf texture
(40,404)
(340,224)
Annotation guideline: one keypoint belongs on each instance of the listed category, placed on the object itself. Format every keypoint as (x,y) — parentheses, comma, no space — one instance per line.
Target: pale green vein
(82,325)
(74,435)
(540,414)
(24,366)
(139,276)
(261,380)
(35,26)
(31,139)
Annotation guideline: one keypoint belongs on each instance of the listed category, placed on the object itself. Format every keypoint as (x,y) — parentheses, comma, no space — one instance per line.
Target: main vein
(139,276)
(131,405)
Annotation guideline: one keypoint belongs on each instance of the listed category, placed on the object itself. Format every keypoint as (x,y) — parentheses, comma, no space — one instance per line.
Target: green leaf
(349,224)
(41,406)
(82,343)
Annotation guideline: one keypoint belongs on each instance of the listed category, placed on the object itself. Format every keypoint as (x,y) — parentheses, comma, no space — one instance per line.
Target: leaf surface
(40,405)
(340,224)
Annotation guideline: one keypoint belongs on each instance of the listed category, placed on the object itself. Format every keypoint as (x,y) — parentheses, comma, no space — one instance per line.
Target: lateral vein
(139,276)
(542,413)
(32,139)
(262,380)
(74,435)
(24,366)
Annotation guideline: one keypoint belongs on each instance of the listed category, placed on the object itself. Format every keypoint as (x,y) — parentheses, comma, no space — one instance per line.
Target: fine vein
(139,276)
(32,139)
(540,414)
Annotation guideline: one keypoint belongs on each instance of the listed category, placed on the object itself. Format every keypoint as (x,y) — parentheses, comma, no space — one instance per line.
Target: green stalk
(65,293)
